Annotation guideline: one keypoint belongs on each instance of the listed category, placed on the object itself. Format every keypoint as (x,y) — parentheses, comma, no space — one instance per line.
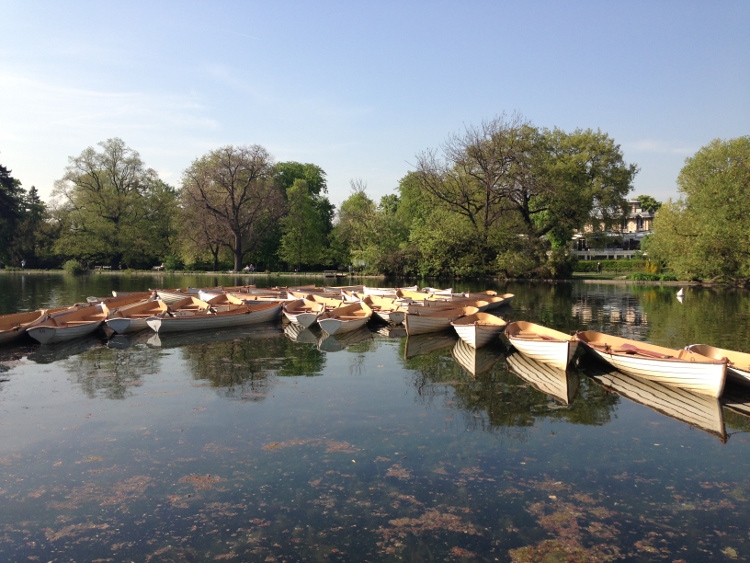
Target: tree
(106,200)
(236,186)
(356,216)
(702,234)
(506,175)
(648,203)
(29,231)
(302,239)
(11,211)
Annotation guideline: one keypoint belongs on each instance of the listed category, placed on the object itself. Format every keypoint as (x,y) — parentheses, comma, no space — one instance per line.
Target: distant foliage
(703,235)
(643,276)
(74,267)
(613,266)
(172,263)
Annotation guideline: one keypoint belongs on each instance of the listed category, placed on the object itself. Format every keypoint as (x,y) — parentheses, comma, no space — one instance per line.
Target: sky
(360,88)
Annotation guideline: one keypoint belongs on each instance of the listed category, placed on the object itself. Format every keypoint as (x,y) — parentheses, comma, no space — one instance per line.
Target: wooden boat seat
(632,349)
(535,336)
(348,317)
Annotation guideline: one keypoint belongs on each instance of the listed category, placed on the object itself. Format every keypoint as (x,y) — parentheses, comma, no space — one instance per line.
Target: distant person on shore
(23,264)
(598,267)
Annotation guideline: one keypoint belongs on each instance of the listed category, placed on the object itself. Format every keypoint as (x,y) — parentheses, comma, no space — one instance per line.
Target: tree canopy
(109,201)
(235,186)
(702,234)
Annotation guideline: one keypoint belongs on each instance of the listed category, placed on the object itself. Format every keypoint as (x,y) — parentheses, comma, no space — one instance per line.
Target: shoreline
(614,280)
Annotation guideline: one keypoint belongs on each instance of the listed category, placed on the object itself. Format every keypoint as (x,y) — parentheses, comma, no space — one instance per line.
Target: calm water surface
(270,444)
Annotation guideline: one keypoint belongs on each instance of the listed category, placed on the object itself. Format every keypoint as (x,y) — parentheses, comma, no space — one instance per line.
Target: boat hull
(680,369)
(335,325)
(542,344)
(230,319)
(51,334)
(738,368)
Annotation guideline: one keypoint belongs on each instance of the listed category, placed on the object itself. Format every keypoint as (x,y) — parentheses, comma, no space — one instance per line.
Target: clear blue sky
(360,88)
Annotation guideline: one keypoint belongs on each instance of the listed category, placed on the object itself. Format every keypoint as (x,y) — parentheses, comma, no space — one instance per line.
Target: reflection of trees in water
(111,373)
(243,367)
(714,316)
(498,400)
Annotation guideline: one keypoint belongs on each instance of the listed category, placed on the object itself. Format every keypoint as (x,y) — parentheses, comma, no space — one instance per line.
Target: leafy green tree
(11,212)
(236,186)
(702,234)
(302,239)
(648,203)
(354,229)
(583,177)
(106,202)
(507,175)
(26,241)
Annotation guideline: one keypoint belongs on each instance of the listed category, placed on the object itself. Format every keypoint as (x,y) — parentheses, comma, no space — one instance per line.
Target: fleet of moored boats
(697,368)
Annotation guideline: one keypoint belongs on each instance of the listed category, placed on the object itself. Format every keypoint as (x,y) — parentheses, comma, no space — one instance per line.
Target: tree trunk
(237,252)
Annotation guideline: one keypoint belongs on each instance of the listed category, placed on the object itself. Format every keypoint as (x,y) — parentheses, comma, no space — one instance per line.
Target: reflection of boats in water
(340,341)
(392,331)
(694,409)
(421,344)
(298,333)
(250,332)
(123,341)
(61,350)
(736,398)
(561,385)
(476,361)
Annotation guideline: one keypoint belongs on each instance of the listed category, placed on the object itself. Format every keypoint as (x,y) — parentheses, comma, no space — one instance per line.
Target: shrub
(73,267)
(611,266)
(643,276)
(173,263)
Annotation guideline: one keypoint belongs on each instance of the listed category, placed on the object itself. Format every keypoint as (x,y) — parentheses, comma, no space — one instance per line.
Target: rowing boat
(69,324)
(15,325)
(387,309)
(345,318)
(242,316)
(679,368)
(478,329)
(303,311)
(543,344)
(132,318)
(428,319)
(738,366)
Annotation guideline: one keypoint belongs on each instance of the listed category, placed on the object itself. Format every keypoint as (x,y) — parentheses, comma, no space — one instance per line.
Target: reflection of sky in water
(225,446)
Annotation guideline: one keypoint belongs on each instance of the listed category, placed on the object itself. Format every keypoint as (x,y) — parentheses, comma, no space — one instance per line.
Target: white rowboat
(543,344)
(242,316)
(479,329)
(738,366)
(679,368)
(345,318)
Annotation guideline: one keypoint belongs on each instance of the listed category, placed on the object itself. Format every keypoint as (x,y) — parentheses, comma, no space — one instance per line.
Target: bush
(73,267)
(642,276)
(612,265)
(172,263)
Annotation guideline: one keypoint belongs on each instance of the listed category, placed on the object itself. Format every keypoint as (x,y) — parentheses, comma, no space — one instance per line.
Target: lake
(274,444)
